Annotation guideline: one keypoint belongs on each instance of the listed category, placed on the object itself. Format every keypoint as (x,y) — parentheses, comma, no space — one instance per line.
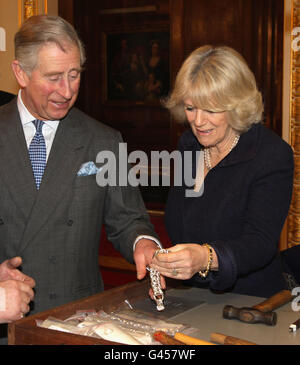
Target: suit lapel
(15,167)
(63,163)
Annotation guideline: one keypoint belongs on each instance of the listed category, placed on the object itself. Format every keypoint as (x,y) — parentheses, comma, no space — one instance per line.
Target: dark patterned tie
(37,153)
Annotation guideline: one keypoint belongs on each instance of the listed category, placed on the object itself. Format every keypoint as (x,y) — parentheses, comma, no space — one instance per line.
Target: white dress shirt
(49,128)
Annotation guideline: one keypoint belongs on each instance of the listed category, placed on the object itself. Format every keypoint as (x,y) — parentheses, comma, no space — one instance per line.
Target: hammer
(260,313)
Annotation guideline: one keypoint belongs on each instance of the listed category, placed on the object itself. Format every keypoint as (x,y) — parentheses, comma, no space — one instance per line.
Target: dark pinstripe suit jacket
(57,229)
(5,97)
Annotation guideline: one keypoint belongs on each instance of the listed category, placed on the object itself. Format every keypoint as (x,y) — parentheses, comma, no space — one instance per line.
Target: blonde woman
(227,237)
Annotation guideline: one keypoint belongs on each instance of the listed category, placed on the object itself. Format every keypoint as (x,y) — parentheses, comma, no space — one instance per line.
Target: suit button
(1,221)
(70,222)
(52,296)
(52,259)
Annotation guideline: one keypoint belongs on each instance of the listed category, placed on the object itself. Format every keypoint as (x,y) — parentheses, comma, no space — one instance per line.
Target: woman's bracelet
(204,273)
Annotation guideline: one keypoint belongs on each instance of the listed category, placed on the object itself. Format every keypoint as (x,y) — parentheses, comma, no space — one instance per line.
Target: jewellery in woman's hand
(158,294)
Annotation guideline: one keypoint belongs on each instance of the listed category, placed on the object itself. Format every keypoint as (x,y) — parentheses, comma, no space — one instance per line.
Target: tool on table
(222,339)
(188,340)
(158,294)
(260,313)
(294,326)
(166,339)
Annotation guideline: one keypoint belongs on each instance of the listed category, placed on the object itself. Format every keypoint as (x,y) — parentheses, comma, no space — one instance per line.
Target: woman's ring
(174,272)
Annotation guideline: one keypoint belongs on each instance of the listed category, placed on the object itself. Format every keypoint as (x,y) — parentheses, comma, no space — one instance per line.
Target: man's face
(52,88)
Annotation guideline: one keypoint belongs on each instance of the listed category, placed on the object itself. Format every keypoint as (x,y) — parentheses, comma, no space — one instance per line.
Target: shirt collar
(27,117)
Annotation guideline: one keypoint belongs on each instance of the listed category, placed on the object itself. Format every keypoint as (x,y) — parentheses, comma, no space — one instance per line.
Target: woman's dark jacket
(240,214)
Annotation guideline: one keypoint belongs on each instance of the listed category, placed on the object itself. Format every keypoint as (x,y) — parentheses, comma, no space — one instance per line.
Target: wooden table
(198,308)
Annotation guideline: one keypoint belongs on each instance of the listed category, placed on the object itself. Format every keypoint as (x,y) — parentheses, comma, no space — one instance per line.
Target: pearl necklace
(207,153)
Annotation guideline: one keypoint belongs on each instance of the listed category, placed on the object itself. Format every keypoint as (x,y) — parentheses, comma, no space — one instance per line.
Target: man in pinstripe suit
(56,229)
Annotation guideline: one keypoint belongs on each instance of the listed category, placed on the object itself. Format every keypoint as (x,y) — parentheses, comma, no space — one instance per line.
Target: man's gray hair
(39,30)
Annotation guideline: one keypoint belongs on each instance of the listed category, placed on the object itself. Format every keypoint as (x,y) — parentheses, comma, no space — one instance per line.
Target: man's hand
(14,300)
(16,290)
(9,271)
(143,254)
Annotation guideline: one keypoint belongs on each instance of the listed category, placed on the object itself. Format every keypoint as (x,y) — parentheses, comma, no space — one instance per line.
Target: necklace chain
(207,152)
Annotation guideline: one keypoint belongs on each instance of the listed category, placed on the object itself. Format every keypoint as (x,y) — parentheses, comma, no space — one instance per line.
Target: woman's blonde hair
(217,79)
(42,29)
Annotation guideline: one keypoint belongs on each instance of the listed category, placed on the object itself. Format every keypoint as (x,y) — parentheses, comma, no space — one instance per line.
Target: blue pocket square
(88,168)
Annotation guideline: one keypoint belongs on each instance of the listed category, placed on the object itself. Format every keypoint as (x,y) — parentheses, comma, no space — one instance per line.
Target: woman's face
(210,128)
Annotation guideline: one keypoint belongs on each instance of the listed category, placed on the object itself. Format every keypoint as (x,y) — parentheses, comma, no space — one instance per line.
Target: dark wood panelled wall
(252,27)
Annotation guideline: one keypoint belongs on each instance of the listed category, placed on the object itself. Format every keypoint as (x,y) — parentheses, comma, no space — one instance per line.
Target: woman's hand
(183,261)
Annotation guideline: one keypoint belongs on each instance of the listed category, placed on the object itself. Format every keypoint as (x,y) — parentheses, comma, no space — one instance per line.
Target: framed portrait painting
(136,67)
